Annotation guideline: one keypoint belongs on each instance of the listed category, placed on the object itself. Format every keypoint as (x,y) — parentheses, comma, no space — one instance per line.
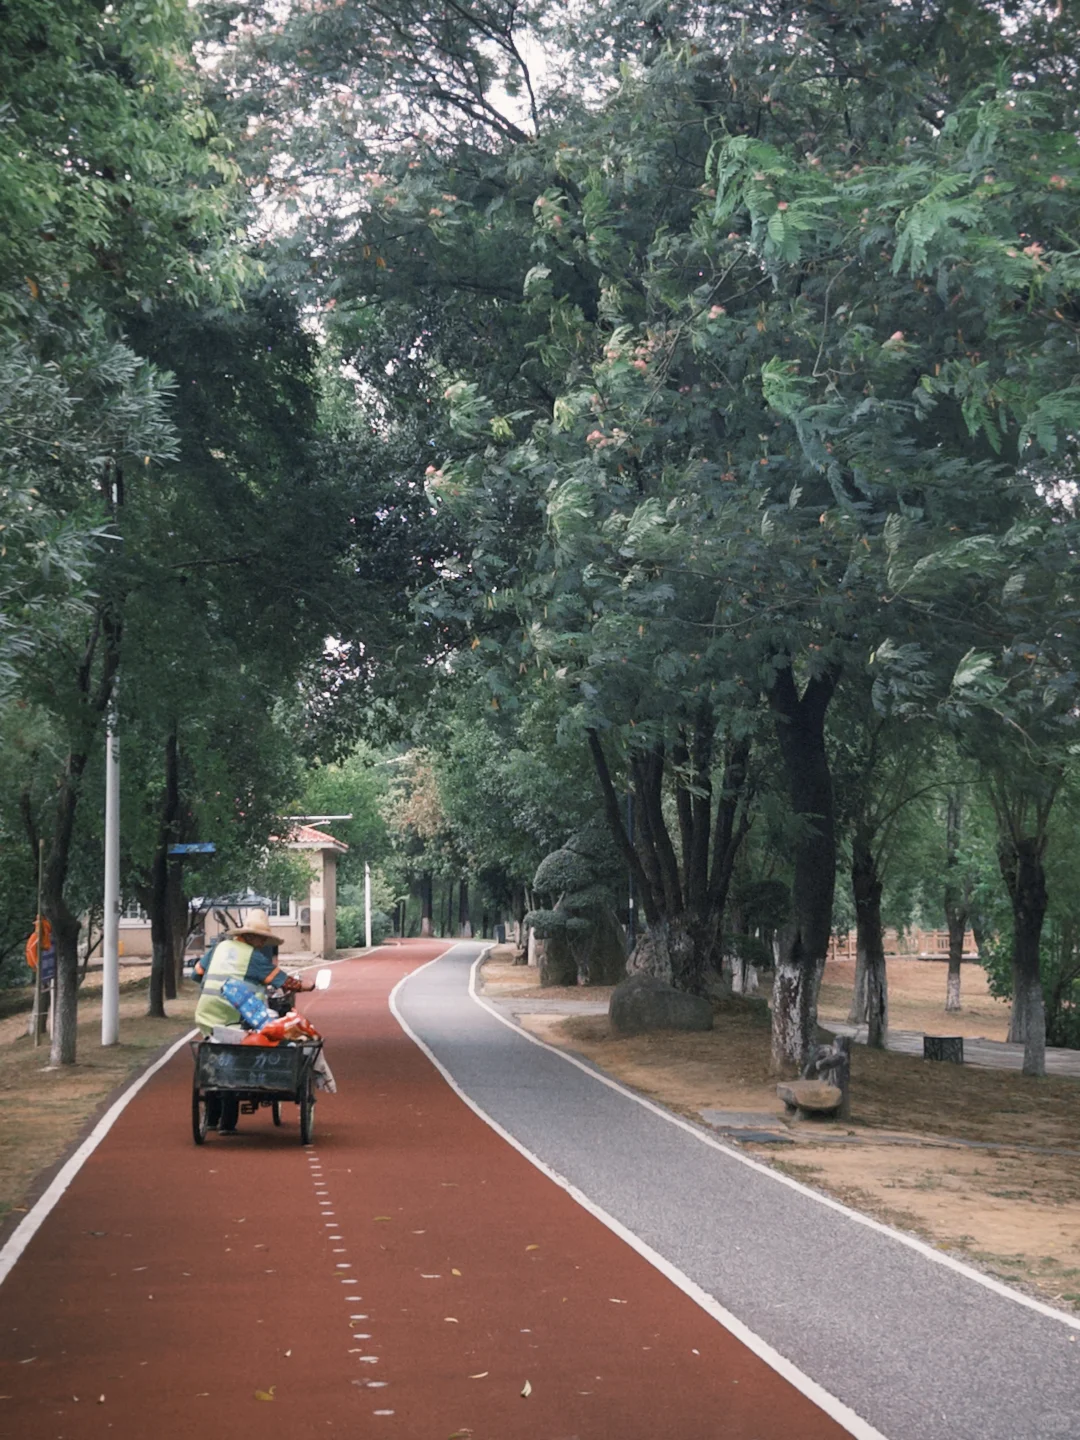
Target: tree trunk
(521,953)
(65,929)
(162,964)
(643,880)
(427,911)
(160,944)
(179,921)
(684,909)
(1021,863)
(669,949)
(65,925)
(800,729)
(857,1013)
(955,900)
(870,947)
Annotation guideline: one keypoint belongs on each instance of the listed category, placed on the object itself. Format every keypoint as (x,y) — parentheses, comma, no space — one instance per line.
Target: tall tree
(117,188)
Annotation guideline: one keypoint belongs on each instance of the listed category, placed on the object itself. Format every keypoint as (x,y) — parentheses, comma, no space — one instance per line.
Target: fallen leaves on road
(481,1376)
(265,1394)
(455,1272)
(450,1319)
(532,1247)
(526,1390)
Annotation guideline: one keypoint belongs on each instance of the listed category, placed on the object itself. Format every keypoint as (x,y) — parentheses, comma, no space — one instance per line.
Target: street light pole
(110,976)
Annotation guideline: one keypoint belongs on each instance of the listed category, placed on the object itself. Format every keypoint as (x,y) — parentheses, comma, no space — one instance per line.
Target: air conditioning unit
(305,917)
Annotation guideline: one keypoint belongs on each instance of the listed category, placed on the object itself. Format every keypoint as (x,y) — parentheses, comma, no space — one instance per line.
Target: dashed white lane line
(322,1190)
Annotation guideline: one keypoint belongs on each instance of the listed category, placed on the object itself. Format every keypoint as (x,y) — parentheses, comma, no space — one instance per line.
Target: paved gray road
(920,1351)
(991,1054)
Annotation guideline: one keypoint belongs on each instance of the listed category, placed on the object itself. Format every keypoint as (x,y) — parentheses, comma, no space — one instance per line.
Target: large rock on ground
(642,1002)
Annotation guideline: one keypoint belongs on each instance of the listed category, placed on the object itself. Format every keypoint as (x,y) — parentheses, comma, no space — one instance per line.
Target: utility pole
(367,905)
(110,975)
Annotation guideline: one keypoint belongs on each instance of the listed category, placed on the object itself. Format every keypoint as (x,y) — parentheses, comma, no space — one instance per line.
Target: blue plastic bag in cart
(253,1009)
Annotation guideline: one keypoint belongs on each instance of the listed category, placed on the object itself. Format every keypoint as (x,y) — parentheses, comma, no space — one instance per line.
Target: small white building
(307,923)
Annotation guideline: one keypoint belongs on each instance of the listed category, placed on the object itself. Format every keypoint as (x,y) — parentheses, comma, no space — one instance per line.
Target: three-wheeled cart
(256,1075)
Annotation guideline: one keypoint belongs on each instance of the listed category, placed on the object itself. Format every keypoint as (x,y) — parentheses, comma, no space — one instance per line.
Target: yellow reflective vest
(229,960)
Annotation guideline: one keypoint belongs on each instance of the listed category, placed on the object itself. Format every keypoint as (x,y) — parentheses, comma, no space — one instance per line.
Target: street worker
(248,954)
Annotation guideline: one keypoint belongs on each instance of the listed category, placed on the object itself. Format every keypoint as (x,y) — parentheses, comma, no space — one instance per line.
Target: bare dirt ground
(983,1163)
(917,999)
(45,1110)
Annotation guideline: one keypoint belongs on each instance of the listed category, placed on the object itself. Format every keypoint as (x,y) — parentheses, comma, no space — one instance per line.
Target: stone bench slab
(813,1097)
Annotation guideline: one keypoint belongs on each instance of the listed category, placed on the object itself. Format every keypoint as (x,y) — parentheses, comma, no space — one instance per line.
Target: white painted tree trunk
(952,992)
(794,1030)
(535,948)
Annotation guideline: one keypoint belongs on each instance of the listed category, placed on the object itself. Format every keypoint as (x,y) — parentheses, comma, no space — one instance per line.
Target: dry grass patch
(917,999)
(45,1110)
(503,980)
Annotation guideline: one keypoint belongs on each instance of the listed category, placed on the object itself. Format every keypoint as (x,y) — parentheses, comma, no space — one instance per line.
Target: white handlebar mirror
(322,979)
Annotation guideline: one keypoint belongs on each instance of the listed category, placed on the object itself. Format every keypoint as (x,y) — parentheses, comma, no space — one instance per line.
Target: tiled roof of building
(306,837)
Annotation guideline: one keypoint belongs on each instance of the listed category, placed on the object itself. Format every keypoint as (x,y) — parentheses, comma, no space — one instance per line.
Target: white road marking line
(32,1222)
(920,1246)
(854,1424)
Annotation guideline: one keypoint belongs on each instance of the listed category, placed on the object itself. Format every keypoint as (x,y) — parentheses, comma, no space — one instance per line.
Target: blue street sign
(202,848)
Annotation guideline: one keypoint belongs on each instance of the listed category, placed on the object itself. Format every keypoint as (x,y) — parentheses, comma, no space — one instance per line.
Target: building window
(280,907)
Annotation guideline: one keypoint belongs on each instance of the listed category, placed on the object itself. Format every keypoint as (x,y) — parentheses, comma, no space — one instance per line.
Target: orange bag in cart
(278,1032)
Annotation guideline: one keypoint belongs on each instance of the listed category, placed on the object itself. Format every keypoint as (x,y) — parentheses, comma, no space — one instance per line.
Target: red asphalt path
(404,1277)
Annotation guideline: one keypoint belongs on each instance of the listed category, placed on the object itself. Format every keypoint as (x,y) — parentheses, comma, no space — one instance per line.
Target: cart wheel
(199,1116)
(275,1110)
(307,1114)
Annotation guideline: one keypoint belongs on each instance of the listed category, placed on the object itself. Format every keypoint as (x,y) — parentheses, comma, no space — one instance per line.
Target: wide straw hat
(257,925)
